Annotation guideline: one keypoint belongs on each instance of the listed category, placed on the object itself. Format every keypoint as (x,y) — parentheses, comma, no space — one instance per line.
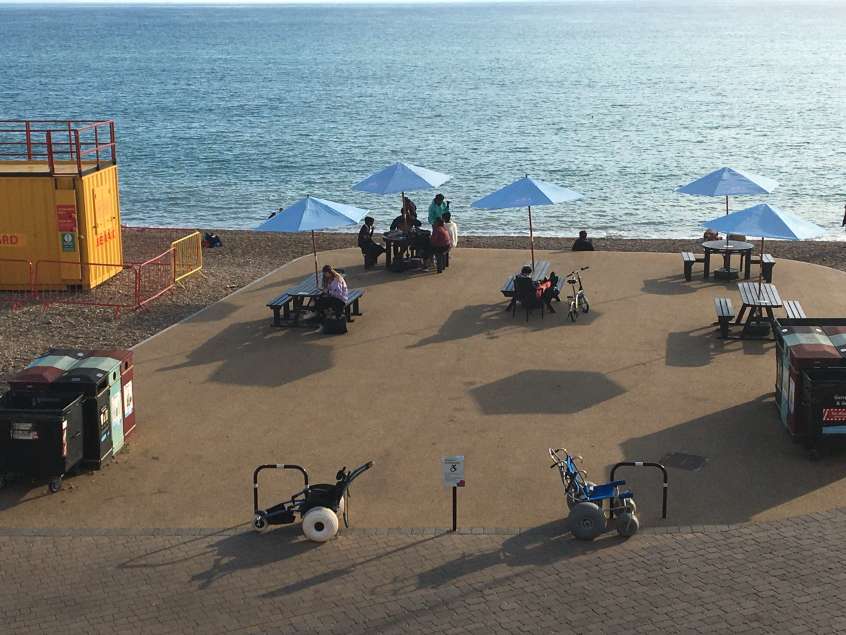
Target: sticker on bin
(24,431)
(831,415)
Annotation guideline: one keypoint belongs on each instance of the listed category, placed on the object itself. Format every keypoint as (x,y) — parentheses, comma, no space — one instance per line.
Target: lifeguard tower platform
(59,204)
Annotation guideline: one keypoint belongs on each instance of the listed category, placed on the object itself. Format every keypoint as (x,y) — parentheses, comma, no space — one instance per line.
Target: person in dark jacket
(583,243)
(369,248)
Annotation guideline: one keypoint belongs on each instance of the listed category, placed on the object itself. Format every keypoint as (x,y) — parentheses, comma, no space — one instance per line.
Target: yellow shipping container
(59,205)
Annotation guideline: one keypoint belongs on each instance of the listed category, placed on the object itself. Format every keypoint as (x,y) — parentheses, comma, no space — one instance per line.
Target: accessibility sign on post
(453,471)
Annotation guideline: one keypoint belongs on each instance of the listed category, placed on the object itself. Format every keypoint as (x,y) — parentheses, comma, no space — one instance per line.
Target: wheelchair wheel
(628,505)
(627,524)
(260,523)
(587,521)
(320,524)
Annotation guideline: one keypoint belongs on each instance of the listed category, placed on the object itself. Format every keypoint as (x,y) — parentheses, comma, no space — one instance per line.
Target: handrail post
(50,162)
(112,140)
(28,141)
(78,154)
(70,142)
(97,146)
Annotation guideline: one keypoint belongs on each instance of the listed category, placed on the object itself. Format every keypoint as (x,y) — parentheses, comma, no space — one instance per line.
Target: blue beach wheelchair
(586,500)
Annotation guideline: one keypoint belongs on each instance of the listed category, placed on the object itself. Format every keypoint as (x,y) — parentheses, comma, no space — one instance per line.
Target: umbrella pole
(314,250)
(531,238)
(761,269)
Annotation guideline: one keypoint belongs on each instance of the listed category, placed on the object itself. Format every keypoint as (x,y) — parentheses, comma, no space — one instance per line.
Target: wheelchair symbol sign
(453,471)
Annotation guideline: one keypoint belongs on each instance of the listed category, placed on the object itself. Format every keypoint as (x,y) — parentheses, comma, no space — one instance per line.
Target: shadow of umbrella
(546,392)
(255,354)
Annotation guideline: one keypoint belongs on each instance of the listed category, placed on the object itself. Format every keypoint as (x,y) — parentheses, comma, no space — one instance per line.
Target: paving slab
(435,367)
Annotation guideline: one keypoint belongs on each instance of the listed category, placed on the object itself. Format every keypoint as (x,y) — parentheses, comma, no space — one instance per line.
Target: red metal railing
(86,145)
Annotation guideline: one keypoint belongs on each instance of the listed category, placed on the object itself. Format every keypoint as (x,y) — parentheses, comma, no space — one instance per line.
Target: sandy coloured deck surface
(435,366)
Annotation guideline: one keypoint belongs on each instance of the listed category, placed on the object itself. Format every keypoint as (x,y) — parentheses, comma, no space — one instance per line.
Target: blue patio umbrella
(729,182)
(766,221)
(526,192)
(312,214)
(399,178)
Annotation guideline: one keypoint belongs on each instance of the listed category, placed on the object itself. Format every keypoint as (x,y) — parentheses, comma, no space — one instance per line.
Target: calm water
(226,113)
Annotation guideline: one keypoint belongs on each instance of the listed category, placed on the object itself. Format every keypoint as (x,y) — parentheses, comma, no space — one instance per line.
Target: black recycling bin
(93,385)
(43,440)
(824,405)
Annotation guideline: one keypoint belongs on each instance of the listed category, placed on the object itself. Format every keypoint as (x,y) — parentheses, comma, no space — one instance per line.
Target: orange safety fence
(187,256)
(19,275)
(155,277)
(119,292)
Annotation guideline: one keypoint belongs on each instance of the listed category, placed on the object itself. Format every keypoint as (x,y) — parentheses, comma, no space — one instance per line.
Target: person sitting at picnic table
(544,289)
(406,220)
(333,295)
(710,234)
(452,230)
(370,248)
(583,243)
(440,243)
(437,208)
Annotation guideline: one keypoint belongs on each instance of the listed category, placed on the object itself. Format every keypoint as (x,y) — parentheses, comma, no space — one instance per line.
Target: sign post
(453,473)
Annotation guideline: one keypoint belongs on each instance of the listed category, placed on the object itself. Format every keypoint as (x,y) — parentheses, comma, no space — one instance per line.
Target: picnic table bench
(767,263)
(725,314)
(689,259)
(289,305)
(540,271)
(794,310)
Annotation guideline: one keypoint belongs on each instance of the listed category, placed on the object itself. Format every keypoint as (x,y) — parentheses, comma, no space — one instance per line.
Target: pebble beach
(245,257)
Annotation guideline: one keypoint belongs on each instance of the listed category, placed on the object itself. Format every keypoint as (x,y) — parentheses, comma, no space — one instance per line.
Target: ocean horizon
(226,113)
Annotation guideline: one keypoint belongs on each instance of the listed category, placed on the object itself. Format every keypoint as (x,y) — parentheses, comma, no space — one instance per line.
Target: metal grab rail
(25,139)
(645,464)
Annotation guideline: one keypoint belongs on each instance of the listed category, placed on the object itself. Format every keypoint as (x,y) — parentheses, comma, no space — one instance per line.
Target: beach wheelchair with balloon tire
(319,506)
(589,514)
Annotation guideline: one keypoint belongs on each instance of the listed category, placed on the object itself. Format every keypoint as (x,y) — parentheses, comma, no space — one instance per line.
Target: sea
(227,113)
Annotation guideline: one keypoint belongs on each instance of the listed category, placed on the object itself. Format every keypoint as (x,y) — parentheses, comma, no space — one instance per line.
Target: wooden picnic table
(289,306)
(727,248)
(757,300)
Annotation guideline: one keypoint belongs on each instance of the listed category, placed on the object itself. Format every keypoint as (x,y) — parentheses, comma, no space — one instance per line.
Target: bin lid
(102,363)
(30,376)
(837,335)
(808,343)
(88,380)
(64,362)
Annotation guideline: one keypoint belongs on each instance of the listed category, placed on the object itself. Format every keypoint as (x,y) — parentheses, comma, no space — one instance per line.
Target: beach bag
(335,325)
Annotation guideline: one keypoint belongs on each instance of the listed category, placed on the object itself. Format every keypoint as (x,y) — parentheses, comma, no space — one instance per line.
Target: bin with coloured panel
(59,204)
(36,378)
(127,370)
(95,385)
(824,404)
(111,368)
(43,439)
(804,345)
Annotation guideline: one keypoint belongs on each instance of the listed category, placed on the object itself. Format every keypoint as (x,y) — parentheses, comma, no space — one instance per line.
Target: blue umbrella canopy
(729,182)
(400,178)
(311,214)
(766,221)
(526,192)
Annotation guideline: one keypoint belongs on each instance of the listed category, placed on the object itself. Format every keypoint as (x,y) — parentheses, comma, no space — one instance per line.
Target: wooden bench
(725,314)
(794,310)
(291,302)
(689,258)
(767,263)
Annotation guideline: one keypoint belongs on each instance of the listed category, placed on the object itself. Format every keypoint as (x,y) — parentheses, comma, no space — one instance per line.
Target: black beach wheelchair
(586,500)
(319,505)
